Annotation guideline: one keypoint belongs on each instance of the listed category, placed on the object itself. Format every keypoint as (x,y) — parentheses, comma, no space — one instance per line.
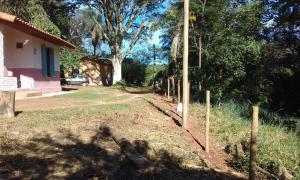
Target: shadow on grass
(17,113)
(68,89)
(175,117)
(138,91)
(65,156)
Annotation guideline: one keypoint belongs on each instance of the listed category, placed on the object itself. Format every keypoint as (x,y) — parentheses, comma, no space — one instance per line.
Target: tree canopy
(249,51)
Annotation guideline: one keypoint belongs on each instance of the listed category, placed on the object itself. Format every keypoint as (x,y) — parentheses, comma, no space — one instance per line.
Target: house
(97,69)
(29,57)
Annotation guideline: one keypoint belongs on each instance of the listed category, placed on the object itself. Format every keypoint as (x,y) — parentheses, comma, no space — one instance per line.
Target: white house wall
(6,83)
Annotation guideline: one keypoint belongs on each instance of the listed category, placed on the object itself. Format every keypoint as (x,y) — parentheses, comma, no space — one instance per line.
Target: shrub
(133,72)
(153,72)
(120,84)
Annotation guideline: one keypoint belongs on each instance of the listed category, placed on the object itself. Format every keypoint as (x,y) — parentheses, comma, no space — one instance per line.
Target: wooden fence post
(207,121)
(253,144)
(168,89)
(178,91)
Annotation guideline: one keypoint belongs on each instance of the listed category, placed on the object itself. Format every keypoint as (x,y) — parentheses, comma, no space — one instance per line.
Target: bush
(120,84)
(133,72)
(153,72)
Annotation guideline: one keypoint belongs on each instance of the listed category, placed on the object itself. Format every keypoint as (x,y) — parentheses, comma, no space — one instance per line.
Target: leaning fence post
(253,144)
(178,91)
(207,121)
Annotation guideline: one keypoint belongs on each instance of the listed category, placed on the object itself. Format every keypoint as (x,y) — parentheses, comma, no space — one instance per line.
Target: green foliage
(40,19)
(233,63)
(133,71)
(120,84)
(153,72)
(282,54)
(15,7)
(60,13)
(70,58)
(277,146)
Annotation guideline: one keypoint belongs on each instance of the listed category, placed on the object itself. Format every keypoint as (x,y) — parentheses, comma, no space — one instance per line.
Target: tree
(60,12)
(96,37)
(40,18)
(16,7)
(224,42)
(126,20)
(282,54)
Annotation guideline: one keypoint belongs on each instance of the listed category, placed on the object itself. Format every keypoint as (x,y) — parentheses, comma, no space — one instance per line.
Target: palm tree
(96,37)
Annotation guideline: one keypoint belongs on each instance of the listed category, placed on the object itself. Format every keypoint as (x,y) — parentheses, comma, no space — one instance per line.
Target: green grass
(95,96)
(277,146)
(85,95)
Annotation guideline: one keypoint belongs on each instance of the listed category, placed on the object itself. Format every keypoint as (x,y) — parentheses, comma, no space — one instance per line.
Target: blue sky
(142,45)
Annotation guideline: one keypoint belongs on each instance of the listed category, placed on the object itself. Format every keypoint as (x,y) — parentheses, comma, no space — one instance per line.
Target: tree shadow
(66,156)
(175,117)
(66,89)
(138,91)
(17,113)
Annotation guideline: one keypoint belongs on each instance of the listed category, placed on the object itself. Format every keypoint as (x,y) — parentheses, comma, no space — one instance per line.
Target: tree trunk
(173,86)
(127,148)
(200,52)
(7,104)
(94,51)
(117,69)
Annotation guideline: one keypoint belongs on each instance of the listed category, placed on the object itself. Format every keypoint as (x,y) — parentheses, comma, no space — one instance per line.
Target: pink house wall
(46,85)
(26,63)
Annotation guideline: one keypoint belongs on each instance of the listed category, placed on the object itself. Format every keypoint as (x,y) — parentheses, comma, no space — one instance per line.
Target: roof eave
(28,28)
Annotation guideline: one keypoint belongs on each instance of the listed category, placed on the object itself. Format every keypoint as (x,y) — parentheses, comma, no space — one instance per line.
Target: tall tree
(282,53)
(224,38)
(124,20)
(40,18)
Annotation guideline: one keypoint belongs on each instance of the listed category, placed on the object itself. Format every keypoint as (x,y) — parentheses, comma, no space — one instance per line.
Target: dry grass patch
(66,143)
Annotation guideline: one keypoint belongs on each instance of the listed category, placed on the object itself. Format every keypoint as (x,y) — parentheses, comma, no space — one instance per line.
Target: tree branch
(100,27)
(135,39)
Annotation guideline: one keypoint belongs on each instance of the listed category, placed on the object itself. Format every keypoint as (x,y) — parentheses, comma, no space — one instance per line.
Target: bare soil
(59,138)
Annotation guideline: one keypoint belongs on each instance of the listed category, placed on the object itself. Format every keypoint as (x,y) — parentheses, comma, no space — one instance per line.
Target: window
(19,45)
(48,61)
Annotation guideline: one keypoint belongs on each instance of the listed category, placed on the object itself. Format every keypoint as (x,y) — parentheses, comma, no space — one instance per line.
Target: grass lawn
(64,141)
